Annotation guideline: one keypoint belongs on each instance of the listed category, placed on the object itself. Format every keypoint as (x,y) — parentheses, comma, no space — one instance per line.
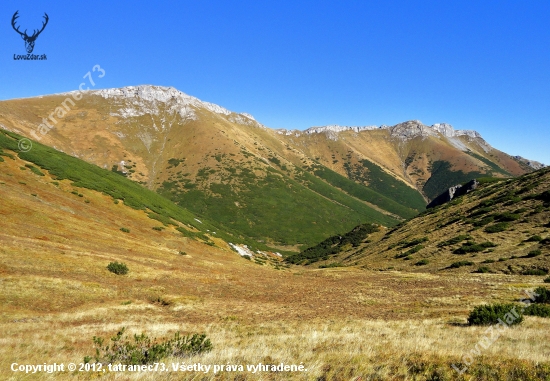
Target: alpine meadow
(147,234)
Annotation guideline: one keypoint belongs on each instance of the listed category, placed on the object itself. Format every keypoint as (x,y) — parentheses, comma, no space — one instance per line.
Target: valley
(257,181)
(343,271)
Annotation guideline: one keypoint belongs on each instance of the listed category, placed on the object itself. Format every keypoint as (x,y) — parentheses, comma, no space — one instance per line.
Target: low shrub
(520,210)
(34,170)
(507,216)
(414,242)
(535,238)
(125,230)
(533,253)
(471,247)
(481,211)
(144,350)
(542,295)
(495,313)
(415,249)
(483,270)
(498,227)
(484,221)
(535,272)
(331,265)
(547,280)
(541,310)
(453,241)
(118,268)
(456,265)
(422,262)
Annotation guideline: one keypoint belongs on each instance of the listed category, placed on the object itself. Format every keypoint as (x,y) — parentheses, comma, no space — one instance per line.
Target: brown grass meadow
(341,323)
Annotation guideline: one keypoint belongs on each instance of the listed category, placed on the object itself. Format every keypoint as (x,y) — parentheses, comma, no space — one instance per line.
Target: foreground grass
(330,350)
(56,293)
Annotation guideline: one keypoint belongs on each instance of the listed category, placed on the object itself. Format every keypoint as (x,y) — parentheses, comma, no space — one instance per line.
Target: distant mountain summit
(490,226)
(288,187)
(411,128)
(148,99)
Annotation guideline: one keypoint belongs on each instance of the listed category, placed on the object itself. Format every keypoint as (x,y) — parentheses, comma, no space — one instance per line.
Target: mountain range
(288,189)
(280,245)
(501,226)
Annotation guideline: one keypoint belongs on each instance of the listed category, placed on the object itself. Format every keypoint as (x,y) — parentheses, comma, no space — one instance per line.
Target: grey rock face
(533,164)
(453,192)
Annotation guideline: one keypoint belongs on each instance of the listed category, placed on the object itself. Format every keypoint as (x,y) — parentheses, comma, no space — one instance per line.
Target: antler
(35,34)
(15,17)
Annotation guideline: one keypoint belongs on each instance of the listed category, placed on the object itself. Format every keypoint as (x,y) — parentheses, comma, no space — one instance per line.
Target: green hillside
(383,190)
(271,205)
(84,175)
(500,227)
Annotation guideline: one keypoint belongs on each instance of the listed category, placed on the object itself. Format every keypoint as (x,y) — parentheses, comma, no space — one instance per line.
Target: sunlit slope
(56,294)
(201,165)
(281,187)
(501,227)
(81,175)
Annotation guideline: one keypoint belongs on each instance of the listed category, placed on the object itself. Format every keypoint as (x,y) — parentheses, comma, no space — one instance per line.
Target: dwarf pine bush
(118,268)
(498,227)
(541,310)
(495,313)
(422,262)
(542,295)
(456,265)
(141,349)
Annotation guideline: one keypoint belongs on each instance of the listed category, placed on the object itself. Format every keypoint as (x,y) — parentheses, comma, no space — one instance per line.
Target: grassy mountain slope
(220,170)
(501,227)
(83,175)
(282,188)
(56,293)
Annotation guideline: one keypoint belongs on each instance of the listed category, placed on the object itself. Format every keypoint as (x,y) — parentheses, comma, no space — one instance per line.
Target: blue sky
(482,65)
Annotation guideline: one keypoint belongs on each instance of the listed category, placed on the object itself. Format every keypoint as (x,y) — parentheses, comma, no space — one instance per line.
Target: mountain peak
(138,95)
(407,130)
(337,128)
(148,99)
(415,128)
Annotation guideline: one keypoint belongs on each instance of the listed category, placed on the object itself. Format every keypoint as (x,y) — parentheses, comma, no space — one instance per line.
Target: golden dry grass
(343,323)
(448,221)
(91,130)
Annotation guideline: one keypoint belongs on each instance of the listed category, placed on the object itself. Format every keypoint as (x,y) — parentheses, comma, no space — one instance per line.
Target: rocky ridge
(148,99)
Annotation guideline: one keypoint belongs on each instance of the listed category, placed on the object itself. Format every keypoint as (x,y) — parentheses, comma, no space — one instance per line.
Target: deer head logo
(29,40)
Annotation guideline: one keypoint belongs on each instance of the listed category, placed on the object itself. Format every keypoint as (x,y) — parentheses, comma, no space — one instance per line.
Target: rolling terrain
(257,182)
(64,220)
(500,227)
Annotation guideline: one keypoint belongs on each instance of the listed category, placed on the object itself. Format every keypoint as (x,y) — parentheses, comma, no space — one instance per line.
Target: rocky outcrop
(453,192)
(411,129)
(531,163)
(406,130)
(448,131)
(155,100)
(336,128)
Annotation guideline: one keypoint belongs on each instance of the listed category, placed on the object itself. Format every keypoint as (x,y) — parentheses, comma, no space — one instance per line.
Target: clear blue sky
(475,64)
